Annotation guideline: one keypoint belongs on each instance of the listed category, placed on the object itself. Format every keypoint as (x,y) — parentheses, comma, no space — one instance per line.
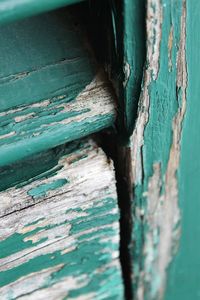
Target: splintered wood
(59,229)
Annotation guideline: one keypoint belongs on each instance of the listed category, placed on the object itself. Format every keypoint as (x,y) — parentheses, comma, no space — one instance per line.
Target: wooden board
(183,274)
(53,92)
(165,157)
(128,19)
(12,10)
(59,229)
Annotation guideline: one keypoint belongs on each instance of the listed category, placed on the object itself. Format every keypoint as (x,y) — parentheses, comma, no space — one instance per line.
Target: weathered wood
(156,152)
(12,10)
(59,229)
(129,30)
(54,92)
(183,274)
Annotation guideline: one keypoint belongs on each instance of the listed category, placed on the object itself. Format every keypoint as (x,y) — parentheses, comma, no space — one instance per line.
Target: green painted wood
(164,157)
(126,60)
(59,229)
(53,92)
(44,52)
(183,275)
(131,50)
(118,33)
(12,10)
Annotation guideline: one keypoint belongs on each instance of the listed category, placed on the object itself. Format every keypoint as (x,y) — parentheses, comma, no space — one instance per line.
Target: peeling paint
(7,135)
(55,92)
(153,30)
(156,183)
(170,45)
(95,104)
(23,118)
(127,73)
(69,238)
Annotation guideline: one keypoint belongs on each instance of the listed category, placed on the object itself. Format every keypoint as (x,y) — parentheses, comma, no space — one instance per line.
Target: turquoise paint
(101,232)
(102,290)
(164,104)
(12,10)
(52,137)
(47,51)
(78,224)
(42,165)
(90,222)
(6,246)
(183,274)
(41,190)
(128,60)
(118,34)
(134,58)
(163,95)
(85,259)
(44,69)
(28,129)
(92,250)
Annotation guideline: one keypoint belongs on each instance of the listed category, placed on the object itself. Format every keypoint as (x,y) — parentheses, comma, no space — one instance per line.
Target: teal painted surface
(129,32)
(23,146)
(134,57)
(44,166)
(156,145)
(40,58)
(48,96)
(12,10)
(184,276)
(42,189)
(70,230)
(118,33)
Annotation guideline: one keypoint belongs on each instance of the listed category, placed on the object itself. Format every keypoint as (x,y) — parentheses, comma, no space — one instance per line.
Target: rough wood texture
(12,10)
(59,229)
(54,92)
(183,274)
(156,150)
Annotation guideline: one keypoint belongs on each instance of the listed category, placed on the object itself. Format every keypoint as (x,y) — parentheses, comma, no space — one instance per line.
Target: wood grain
(59,232)
(157,150)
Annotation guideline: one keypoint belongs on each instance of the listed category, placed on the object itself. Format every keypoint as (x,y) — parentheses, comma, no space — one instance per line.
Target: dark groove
(33,204)
(121,156)
(124,191)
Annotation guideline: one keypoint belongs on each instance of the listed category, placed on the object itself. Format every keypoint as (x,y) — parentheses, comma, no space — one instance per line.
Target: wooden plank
(161,182)
(13,10)
(54,92)
(183,274)
(59,229)
(128,21)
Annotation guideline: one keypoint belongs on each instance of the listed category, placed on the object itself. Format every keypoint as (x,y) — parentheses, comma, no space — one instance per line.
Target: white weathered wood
(63,226)
(92,110)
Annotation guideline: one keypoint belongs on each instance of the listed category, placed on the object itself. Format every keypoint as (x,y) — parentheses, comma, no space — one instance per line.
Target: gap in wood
(121,157)
(96,17)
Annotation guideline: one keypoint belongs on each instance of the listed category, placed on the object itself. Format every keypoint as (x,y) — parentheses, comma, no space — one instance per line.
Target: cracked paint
(157,214)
